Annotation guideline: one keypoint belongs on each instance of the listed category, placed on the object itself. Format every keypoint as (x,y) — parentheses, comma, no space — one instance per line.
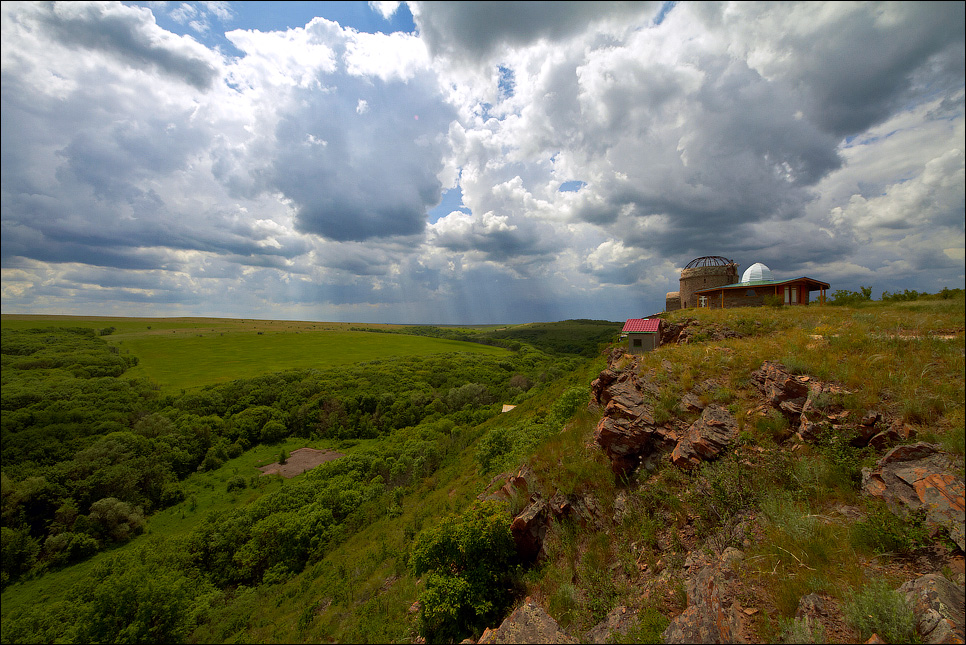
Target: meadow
(185,353)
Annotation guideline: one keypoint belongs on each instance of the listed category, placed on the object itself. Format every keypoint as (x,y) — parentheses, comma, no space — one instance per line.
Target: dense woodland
(88,454)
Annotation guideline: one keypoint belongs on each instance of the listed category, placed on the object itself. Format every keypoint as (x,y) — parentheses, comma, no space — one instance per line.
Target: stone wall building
(701,273)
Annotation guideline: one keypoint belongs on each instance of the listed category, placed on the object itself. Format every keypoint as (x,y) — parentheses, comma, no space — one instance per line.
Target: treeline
(580,337)
(846,297)
(446,333)
(88,453)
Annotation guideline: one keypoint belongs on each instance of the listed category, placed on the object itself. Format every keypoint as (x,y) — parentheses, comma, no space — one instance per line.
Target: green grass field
(185,353)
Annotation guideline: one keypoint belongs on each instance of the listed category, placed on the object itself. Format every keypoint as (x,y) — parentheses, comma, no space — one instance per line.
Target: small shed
(642,334)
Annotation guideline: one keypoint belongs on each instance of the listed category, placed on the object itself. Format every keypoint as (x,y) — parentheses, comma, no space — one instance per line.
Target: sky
(470,163)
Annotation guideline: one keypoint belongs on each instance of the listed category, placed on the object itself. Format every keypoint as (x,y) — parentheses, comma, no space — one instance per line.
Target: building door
(791,295)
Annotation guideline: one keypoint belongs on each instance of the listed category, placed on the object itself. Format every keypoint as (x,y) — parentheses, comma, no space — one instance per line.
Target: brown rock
(938,606)
(627,431)
(618,621)
(777,384)
(522,485)
(875,639)
(919,476)
(528,623)
(584,509)
(691,402)
(710,616)
(896,432)
(529,529)
(706,438)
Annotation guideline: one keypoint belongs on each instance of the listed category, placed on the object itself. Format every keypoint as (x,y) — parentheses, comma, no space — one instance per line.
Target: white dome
(757,272)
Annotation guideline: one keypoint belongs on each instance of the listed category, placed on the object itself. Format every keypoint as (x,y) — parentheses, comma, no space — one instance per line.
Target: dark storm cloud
(357,172)
(857,66)
(739,156)
(475,30)
(129,34)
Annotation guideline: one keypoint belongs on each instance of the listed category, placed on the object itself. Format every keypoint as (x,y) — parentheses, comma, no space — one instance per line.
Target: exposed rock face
(528,623)
(529,529)
(617,622)
(938,606)
(521,485)
(919,476)
(628,432)
(711,615)
(706,438)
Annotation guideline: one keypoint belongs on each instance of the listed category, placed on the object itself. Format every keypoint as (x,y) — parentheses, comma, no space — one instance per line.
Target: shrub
(850,298)
(877,608)
(795,630)
(649,627)
(471,562)
(236,483)
(493,447)
(116,520)
(883,532)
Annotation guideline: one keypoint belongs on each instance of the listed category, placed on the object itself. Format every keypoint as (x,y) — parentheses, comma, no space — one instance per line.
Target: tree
(471,560)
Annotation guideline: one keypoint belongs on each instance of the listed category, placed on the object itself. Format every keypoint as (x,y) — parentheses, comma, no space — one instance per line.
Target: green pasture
(185,353)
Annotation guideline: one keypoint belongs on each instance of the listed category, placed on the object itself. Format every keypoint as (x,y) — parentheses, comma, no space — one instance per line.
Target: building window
(791,295)
(636,342)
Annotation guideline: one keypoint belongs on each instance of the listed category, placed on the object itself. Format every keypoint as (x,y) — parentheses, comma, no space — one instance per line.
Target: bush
(471,561)
(493,447)
(878,609)
(236,483)
(883,532)
(844,297)
(116,520)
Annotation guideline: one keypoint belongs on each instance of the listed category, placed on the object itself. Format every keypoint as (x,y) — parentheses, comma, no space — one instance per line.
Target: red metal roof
(641,325)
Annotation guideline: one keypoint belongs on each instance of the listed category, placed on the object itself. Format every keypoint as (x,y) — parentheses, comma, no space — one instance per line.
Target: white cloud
(138,164)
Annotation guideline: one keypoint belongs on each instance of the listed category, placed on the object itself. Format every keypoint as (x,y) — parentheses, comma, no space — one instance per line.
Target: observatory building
(701,273)
(712,281)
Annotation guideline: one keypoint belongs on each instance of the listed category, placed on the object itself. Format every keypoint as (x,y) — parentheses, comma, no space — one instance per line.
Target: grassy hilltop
(205,550)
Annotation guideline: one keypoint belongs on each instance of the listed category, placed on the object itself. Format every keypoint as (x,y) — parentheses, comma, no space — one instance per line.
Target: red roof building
(642,334)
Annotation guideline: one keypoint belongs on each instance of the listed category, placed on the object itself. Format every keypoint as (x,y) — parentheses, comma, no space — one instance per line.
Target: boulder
(627,431)
(711,615)
(938,606)
(777,384)
(529,528)
(528,623)
(521,485)
(584,509)
(920,477)
(617,622)
(707,437)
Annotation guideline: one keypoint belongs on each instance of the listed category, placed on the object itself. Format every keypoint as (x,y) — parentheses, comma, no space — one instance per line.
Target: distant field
(184,353)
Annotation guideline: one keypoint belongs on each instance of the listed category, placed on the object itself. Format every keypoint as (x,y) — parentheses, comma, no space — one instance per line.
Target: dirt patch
(299,461)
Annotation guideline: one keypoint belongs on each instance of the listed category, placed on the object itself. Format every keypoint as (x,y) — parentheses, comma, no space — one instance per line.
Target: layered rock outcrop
(629,433)
(528,623)
(920,477)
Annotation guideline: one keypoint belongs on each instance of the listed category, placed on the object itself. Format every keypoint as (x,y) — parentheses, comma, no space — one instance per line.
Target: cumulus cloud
(597,147)
(478,30)
(129,34)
